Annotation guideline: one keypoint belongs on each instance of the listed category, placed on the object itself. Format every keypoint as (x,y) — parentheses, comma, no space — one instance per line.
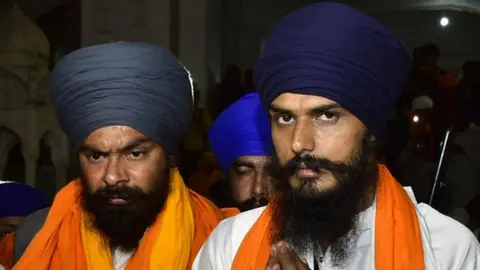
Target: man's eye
(136,154)
(95,157)
(242,170)
(328,117)
(285,119)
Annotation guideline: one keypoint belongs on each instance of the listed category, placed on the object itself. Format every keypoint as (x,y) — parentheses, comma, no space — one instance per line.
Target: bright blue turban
(243,129)
(20,200)
(337,52)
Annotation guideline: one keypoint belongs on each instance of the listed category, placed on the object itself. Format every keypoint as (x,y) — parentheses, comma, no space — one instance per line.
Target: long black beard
(123,226)
(306,216)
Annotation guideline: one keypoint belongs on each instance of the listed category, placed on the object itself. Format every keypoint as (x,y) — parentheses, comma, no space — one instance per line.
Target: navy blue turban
(337,52)
(243,129)
(130,84)
(19,200)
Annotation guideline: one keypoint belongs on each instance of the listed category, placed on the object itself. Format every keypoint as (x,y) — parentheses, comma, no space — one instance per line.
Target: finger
(288,260)
(275,266)
(273,259)
(302,264)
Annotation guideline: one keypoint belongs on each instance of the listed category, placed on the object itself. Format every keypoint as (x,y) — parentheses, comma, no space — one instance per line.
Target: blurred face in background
(9,225)
(250,182)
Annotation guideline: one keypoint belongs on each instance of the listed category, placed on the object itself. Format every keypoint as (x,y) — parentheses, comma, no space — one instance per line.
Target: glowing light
(416,119)
(444,21)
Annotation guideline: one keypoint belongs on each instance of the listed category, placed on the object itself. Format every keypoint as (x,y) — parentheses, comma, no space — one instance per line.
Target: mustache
(119,192)
(252,203)
(316,164)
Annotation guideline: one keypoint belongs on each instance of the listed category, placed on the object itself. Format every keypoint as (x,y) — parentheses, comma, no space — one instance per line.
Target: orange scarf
(67,242)
(398,240)
(6,251)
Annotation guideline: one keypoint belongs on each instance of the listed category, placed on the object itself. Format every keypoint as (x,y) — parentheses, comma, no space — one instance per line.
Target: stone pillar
(30,146)
(60,157)
(7,142)
(200,42)
(129,20)
(30,151)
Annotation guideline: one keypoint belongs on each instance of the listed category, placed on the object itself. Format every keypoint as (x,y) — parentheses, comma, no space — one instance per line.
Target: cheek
(145,174)
(241,188)
(282,145)
(92,174)
(339,146)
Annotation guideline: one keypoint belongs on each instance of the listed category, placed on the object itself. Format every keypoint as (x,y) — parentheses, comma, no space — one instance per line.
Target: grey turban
(130,84)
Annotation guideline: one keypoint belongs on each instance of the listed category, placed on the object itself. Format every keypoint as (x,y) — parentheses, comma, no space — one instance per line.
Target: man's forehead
(253,160)
(291,101)
(114,136)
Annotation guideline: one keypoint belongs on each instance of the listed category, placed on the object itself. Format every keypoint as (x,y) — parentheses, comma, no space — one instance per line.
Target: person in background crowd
(230,89)
(124,108)
(195,142)
(241,140)
(206,176)
(16,202)
(329,75)
(463,167)
(248,81)
(416,164)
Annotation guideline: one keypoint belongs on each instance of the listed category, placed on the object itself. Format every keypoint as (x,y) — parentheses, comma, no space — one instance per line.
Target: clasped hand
(283,258)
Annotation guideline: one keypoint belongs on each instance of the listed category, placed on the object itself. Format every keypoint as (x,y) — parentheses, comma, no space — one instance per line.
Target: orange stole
(65,242)
(398,240)
(6,251)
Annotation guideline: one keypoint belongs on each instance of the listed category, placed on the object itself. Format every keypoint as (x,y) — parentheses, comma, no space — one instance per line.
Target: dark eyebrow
(132,145)
(276,109)
(313,111)
(324,108)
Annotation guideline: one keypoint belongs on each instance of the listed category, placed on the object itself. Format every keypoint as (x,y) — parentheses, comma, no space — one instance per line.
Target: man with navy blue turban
(241,140)
(328,77)
(16,202)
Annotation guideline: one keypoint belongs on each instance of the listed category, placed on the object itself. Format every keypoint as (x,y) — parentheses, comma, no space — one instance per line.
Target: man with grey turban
(124,108)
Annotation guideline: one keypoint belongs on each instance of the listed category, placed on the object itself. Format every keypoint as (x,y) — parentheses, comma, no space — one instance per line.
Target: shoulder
(27,231)
(453,245)
(219,250)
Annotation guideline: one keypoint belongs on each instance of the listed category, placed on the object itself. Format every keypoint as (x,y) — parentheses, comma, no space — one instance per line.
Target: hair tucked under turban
(132,84)
(19,200)
(337,52)
(243,129)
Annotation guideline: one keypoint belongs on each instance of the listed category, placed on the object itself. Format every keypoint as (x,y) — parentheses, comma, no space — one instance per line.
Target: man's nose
(303,138)
(115,172)
(260,185)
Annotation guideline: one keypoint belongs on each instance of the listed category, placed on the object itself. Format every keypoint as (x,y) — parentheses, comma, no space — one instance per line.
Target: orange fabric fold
(66,242)
(6,251)
(398,240)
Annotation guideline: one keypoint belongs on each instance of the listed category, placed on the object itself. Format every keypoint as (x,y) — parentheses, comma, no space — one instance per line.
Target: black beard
(124,225)
(306,216)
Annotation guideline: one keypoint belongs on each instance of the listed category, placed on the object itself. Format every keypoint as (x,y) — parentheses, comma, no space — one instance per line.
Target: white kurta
(121,258)
(447,244)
